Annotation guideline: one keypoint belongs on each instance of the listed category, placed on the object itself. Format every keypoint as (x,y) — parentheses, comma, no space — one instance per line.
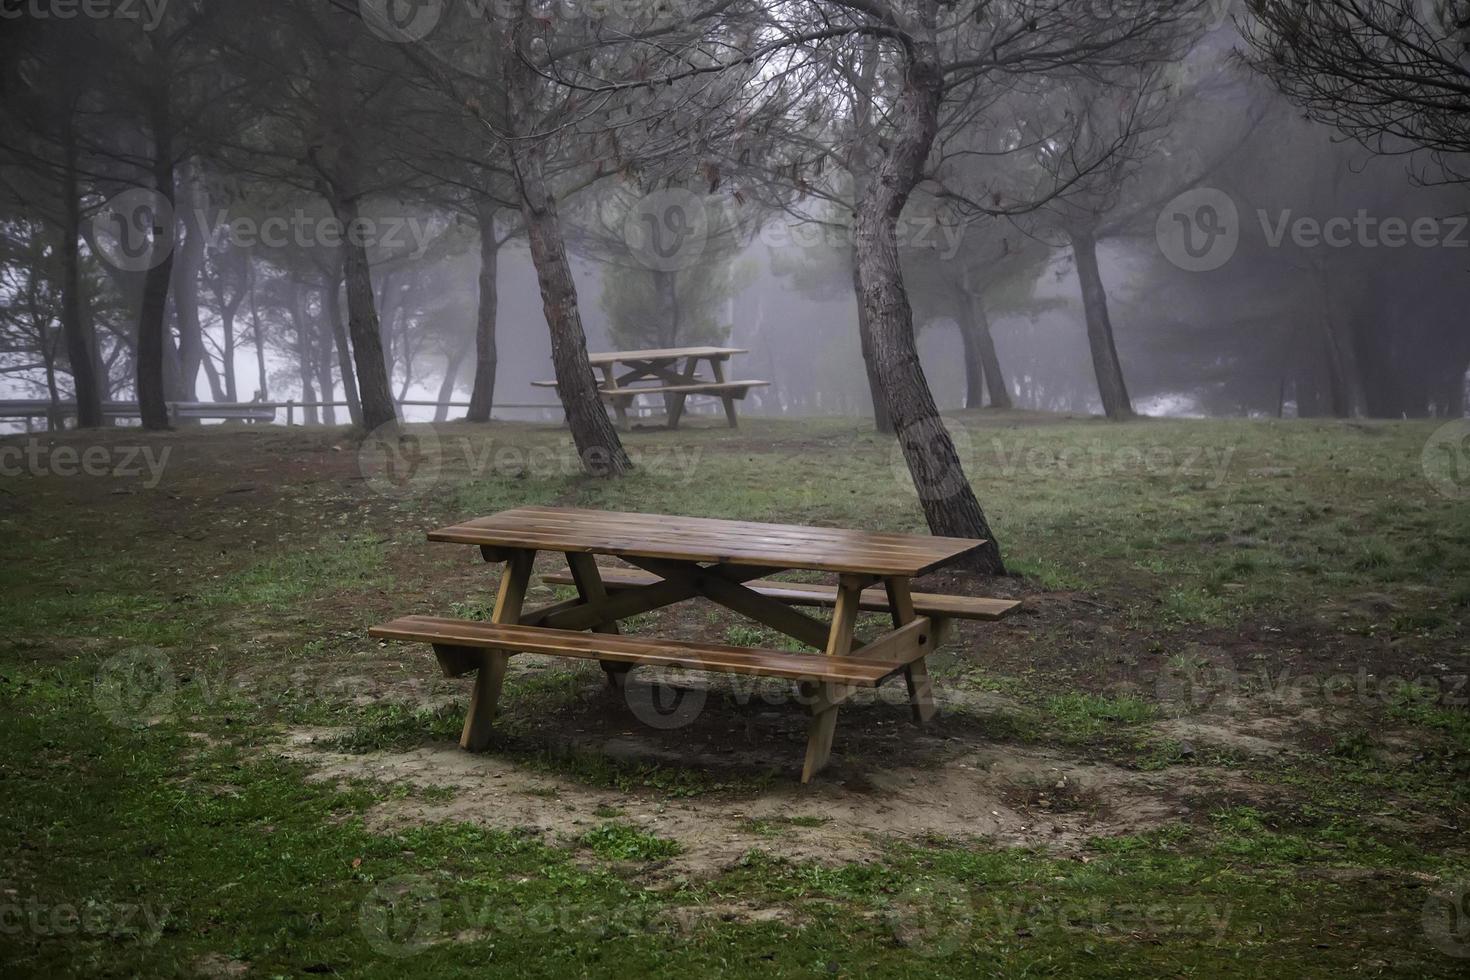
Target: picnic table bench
(727,562)
(659,372)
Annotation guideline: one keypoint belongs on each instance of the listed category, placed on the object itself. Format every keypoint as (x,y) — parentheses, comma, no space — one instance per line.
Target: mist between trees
(897,206)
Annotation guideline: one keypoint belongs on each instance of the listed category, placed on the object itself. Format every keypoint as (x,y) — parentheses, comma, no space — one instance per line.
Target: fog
(1259,249)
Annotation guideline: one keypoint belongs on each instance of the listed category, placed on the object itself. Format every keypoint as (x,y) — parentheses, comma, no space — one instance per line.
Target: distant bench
(659,372)
(728,391)
(228,411)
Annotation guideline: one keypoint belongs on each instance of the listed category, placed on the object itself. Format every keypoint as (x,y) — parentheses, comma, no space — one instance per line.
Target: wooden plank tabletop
(663,354)
(702,539)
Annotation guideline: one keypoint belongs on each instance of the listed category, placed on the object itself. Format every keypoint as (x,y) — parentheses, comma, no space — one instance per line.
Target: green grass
(188,844)
(1080,716)
(619,842)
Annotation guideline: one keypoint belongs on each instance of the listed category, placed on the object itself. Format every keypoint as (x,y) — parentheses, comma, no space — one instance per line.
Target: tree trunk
(258,336)
(362,324)
(304,365)
(326,337)
(101,368)
(185,286)
(1344,377)
(54,420)
(78,352)
(227,322)
(861,178)
(451,374)
(882,418)
(1110,385)
(666,302)
(974,373)
(152,400)
(666,294)
(980,337)
(332,306)
(482,396)
(327,388)
(944,491)
(598,445)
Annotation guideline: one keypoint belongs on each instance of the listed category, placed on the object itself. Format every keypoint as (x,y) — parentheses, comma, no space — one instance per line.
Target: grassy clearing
(147,832)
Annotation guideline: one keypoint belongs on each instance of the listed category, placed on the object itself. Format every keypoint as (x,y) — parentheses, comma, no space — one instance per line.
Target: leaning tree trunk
(451,375)
(332,305)
(1110,385)
(482,395)
(862,177)
(597,441)
(78,353)
(882,418)
(362,323)
(944,491)
(152,313)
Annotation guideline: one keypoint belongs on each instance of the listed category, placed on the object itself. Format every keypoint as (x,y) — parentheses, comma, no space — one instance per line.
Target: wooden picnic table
(679,558)
(673,372)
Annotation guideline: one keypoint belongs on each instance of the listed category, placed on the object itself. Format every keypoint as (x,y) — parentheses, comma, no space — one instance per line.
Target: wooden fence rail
(260,412)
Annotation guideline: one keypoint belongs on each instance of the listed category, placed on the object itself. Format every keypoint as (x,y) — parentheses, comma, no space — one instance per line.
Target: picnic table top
(663,354)
(701,539)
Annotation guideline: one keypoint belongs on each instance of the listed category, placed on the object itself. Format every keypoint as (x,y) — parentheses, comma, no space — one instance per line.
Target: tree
(936,53)
(50,84)
(650,303)
(1391,74)
(164,85)
(489,71)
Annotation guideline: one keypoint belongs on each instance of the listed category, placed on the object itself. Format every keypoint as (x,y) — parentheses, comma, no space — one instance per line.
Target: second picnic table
(679,558)
(673,372)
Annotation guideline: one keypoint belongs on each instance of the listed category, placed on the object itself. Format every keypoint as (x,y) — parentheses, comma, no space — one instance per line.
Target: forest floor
(1227,736)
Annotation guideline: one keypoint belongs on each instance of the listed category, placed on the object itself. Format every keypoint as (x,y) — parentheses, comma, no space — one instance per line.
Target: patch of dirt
(1250,736)
(218,966)
(994,792)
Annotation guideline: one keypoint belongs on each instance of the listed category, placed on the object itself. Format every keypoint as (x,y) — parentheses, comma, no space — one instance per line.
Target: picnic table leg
(676,410)
(491,675)
(674,404)
(589,586)
(619,405)
(718,368)
(824,708)
(916,674)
